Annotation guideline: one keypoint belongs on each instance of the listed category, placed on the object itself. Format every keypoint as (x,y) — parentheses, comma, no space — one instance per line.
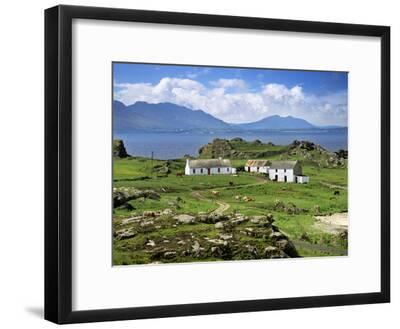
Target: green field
(293,206)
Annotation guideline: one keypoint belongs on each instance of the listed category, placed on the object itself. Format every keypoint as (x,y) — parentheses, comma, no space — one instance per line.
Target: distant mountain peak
(278,122)
(168,116)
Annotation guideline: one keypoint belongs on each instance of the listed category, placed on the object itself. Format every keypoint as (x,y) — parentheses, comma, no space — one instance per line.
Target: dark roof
(283,164)
(258,163)
(210,163)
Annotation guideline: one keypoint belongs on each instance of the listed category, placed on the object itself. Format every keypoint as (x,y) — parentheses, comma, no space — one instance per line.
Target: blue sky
(237,94)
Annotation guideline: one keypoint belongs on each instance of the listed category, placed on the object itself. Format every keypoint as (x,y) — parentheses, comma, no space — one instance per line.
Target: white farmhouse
(209,167)
(260,166)
(287,171)
(281,171)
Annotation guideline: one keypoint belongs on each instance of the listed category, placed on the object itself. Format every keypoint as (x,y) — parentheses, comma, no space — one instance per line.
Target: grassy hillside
(293,206)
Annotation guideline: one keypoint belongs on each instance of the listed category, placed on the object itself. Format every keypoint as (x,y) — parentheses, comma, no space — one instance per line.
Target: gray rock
(196,246)
(125,234)
(238,221)
(146,223)
(216,251)
(287,247)
(219,225)
(276,235)
(150,213)
(131,220)
(226,236)
(151,243)
(185,219)
(122,195)
(170,254)
(270,251)
(167,212)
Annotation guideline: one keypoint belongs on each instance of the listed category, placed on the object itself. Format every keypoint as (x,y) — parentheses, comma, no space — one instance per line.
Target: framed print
(203,164)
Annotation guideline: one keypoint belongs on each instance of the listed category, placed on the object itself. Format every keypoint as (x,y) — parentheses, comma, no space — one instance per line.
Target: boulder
(270,251)
(185,219)
(214,218)
(287,247)
(122,195)
(150,213)
(239,220)
(150,243)
(216,251)
(167,212)
(170,254)
(219,225)
(146,223)
(125,234)
(276,235)
(225,237)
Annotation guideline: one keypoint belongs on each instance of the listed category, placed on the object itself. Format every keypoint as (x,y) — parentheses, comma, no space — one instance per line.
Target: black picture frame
(58,163)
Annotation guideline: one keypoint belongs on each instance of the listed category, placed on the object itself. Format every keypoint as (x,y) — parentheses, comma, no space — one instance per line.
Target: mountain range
(143,116)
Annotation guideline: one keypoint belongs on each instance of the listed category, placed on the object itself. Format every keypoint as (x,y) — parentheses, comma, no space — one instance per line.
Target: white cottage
(260,166)
(281,171)
(287,171)
(209,167)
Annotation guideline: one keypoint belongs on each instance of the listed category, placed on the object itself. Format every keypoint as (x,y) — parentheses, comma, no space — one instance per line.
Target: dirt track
(222,207)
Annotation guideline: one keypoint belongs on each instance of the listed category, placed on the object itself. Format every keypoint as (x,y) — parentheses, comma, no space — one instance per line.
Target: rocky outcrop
(316,154)
(228,237)
(218,148)
(238,148)
(342,153)
(119,150)
(124,194)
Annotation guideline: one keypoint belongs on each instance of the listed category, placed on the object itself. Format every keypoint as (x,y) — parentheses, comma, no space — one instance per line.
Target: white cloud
(229,83)
(231,101)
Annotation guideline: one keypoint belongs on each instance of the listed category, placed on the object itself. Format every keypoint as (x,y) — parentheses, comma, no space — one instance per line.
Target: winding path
(223,206)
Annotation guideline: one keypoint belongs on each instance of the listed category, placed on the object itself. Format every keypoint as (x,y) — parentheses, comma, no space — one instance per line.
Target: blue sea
(174,145)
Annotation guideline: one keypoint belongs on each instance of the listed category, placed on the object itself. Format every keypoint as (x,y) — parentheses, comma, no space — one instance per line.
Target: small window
(284,170)
(227,169)
(194,171)
(219,169)
(201,170)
